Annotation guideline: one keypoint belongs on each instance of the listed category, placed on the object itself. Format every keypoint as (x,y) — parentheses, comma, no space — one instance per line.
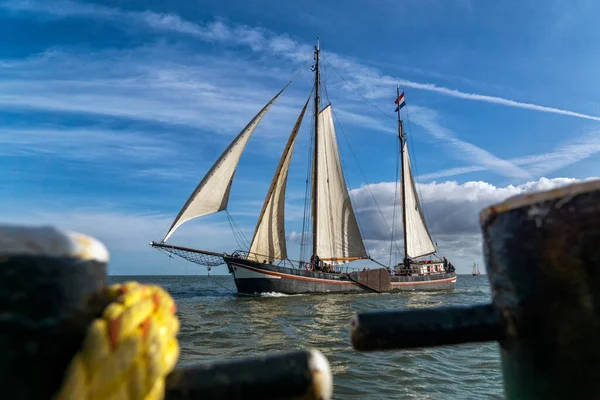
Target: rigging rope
(417,171)
(307,194)
(363,175)
(356,91)
(416,174)
(129,350)
(238,234)
(395,201)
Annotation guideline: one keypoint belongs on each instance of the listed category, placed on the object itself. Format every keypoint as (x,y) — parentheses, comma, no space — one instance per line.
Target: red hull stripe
(330,281)
(301,278)
(453,279)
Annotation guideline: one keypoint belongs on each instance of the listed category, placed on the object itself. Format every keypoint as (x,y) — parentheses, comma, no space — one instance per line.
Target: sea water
(218,324)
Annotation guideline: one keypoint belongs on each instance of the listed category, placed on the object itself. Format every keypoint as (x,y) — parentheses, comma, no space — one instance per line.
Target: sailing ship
(476,270)
(336,237)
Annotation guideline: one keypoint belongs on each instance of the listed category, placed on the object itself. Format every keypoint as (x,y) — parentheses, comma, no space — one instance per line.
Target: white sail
(338,236)
(268,242)
(475,269)
(418,240)
(212,194)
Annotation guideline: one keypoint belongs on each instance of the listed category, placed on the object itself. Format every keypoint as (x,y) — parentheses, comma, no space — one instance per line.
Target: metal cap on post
(49,285)
(53,287)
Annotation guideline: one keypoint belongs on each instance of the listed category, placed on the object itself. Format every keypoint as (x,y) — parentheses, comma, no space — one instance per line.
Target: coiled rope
(128,352)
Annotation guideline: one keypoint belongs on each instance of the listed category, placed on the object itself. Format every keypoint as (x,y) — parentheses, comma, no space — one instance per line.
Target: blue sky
(112,111)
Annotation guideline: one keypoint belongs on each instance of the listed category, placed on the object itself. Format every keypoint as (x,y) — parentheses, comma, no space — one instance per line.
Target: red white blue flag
(400,101)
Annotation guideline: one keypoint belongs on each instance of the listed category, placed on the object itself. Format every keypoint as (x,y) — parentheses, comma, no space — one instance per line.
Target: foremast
(315,174)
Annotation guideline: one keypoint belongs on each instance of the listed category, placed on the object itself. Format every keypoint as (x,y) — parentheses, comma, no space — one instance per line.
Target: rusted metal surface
(377,280)
(543,259)
(299,375)
(405,329)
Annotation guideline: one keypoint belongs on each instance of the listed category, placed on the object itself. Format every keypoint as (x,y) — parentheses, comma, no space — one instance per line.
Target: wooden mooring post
(52,288)
(543,260)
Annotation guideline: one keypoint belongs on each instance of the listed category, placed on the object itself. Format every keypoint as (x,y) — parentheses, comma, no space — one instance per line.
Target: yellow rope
(129,351)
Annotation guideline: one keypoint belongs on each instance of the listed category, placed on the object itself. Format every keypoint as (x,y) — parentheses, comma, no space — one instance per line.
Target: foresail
(338,235)
(212,194)
(418,240)
(268,242)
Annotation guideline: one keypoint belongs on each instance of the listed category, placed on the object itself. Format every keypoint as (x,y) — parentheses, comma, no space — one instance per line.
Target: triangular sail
(418,240)
(212,194)
(268,242)
(338,235)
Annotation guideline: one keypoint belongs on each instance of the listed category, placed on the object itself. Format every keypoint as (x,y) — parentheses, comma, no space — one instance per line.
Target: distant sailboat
(336,237)
(476,270)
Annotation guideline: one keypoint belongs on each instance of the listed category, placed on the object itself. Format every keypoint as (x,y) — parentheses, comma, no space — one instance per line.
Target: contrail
(491,99)
(280,44)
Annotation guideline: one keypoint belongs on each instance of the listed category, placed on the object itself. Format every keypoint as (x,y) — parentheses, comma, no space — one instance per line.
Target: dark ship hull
(252,277)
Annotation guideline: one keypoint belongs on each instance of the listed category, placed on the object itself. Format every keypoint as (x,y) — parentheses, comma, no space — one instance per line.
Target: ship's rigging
(329,215)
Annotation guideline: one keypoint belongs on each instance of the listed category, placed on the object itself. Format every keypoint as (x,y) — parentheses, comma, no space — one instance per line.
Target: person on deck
(445,264)
(314,260)
(451,267)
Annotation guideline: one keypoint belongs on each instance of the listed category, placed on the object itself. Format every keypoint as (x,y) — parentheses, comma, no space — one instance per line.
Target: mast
(316,153)
(402,139)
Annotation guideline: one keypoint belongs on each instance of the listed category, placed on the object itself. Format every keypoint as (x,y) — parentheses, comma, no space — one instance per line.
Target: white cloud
(127,235)
(428,119)
(451,209)
(153,83)
(90,145)
(536,165)
(259,39)
(198,91)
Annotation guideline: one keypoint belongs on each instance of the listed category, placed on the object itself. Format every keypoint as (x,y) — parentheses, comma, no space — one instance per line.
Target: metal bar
(386,330)
(299,375)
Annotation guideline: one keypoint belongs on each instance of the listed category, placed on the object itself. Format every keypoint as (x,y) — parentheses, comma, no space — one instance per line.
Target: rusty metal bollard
(51,289)
(543,260)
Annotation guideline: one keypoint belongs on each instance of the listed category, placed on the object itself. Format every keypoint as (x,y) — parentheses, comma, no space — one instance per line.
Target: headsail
(418,240)
(212,194)
(338,236)
(268,242)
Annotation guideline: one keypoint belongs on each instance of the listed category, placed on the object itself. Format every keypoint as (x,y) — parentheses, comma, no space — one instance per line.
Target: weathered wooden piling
(52,286)
(543,260)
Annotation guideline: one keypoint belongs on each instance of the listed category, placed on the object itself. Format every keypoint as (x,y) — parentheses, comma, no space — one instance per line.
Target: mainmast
(316,152)
(402,139)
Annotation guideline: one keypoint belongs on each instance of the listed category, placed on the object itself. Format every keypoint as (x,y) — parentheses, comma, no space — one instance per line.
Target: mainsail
(212,194)
(338,235)
(268,242)
(418,240)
